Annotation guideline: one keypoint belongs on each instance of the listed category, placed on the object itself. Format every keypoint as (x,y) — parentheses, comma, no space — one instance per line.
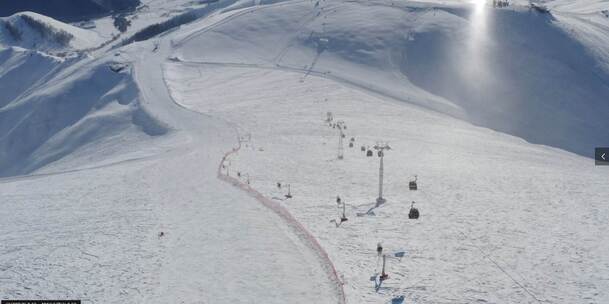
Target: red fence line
(289,218)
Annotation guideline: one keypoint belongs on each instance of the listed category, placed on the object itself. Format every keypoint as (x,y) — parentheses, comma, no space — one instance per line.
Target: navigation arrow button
(601,156)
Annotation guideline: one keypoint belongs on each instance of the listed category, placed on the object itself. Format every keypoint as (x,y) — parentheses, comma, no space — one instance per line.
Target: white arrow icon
(603,156)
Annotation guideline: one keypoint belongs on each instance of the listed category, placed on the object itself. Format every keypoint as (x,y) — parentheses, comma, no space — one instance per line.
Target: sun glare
(474,61)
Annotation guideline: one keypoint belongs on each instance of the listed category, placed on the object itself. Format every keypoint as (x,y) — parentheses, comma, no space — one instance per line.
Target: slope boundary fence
(300,230)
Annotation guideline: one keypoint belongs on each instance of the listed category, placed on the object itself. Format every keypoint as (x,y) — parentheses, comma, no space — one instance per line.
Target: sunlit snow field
(111,144)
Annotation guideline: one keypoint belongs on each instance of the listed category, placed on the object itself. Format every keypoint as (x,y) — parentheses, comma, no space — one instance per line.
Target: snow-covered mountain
(68,10)
(152,163)
(485,66)
(41,33)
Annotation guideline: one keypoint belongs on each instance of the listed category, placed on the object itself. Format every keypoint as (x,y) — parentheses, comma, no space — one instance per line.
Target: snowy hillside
(183,154)
(54,106)
(68,10)
(34,31)
(485,66)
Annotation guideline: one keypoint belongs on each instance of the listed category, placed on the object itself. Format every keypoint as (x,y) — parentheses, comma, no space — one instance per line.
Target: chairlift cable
(487,256)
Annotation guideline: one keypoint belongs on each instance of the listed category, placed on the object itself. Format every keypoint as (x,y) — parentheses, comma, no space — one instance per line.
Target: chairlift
(369,153)
(363,149)
(380,153)
(350,145)
(353,139)
(412,185)
(343,135)
(414,212)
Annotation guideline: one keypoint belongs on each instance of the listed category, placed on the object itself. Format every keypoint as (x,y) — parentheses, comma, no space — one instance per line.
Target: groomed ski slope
(101,226)
(539,216)
(503,220)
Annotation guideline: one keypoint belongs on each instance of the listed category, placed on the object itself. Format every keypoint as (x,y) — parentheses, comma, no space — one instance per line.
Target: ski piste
(116,185)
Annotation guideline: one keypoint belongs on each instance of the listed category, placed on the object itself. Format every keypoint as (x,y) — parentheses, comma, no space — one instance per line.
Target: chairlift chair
(414,212)
(350,145)
(369,153)
(363,149)
(412,185)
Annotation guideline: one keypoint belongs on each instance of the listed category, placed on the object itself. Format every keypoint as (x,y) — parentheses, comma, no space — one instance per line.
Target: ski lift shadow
(340,222)
(370,211)
(380,278)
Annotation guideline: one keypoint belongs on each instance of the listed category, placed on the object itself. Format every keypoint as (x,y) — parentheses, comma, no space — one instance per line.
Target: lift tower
(340,125)
(381,147)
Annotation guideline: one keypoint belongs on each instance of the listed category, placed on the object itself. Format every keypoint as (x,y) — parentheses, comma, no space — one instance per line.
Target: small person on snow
(279,185)
(338,199)
(379,248)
